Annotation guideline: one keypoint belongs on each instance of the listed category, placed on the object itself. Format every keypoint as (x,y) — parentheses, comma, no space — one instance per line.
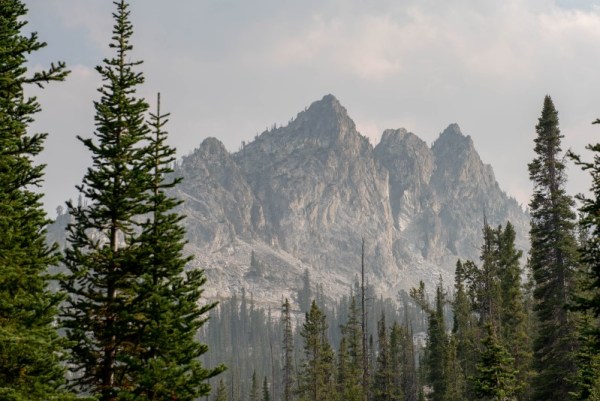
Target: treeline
(249,339)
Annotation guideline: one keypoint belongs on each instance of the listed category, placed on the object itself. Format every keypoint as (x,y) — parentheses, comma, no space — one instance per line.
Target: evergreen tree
(464,329)
(397,362)
(254,388)
(383,379)
(305,294)
(437,341)
(553,261)
(317,381)
(495,380)
(455,380)
(410,377)
(221,394)
(513,319)
(349,386)
(288,352)
(30,352)
(100,255)
(588,360)
(266,396)
(352,332)
(132,313)
(165,312)
(588,294)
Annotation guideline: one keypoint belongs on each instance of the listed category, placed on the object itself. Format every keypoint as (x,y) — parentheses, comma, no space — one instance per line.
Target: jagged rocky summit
(304,195)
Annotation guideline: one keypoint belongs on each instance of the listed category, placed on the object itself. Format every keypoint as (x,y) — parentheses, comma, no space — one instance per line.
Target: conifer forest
(117,313)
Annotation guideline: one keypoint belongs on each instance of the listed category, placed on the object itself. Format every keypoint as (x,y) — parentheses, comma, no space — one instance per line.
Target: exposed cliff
(302,197)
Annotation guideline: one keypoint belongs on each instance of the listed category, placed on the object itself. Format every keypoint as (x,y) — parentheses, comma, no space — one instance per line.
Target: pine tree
(437,341)
(553,261)
(513,318)
(397,361)
(132,313)
(317,380)
(221,394)
(265,392)
(588,360)
(165,311)
(288,352)
(588,292)
(383,378)
(464,330)
(352,333)
(410,376)
(455,380)
(30,352)
(305,294)
(495,380)
(254,388)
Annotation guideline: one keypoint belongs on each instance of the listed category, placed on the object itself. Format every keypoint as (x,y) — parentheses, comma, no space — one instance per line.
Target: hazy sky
(231,68)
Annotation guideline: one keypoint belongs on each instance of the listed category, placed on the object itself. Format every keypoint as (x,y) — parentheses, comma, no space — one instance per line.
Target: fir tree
(437,341)
(397,361)
(221,394)
(495,380)
(352,332)
(588,360)
(30,352)
(553,261)
(265,391)
(464,328)
(588,294)
(383,379)
(305,294)
(288,352)
(317,380)
(513,318)
(455,380)
(165,311)
(132,312)
(254,388)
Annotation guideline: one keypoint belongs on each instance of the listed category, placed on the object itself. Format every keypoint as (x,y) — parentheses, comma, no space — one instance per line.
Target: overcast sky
(231,68)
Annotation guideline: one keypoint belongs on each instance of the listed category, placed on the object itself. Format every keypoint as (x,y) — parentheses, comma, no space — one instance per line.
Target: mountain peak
(452,137)
(328,105)
(325,120)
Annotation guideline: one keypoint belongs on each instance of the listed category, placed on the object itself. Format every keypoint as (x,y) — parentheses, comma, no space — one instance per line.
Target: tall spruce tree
(221,393)
(588,294)
(495,379)
(383,377)
(464,329)
(30,352)
(132,313)
(436,355)
(398,364)
(317,379)
(514,316)
(165,312)
(352,331)
(553,261)
(265,391)
(288,351)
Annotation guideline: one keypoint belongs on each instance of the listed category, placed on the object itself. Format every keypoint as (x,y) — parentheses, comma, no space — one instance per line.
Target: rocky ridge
(302,197)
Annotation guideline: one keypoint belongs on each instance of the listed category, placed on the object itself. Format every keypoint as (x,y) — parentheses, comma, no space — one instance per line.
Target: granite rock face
(304,195)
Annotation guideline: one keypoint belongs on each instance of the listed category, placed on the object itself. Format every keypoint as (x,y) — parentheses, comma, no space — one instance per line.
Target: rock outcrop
(304,195)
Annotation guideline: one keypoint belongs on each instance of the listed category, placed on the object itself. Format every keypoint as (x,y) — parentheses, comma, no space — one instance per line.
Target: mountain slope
(302,197)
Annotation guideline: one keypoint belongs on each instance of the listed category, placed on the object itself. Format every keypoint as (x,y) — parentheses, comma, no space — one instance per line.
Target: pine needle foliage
(133,312)
(554,262)
(30,350)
